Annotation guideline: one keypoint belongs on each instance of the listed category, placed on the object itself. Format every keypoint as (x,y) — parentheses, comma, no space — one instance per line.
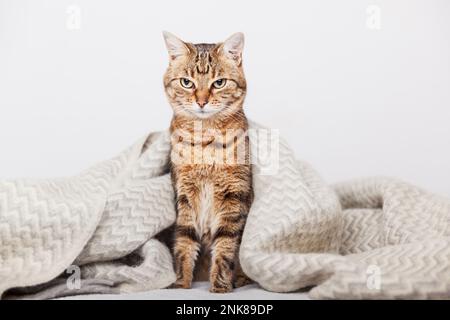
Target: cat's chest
(205,217)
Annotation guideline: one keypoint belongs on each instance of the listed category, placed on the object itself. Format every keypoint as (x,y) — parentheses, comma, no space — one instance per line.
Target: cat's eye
(186,83)
(218,84)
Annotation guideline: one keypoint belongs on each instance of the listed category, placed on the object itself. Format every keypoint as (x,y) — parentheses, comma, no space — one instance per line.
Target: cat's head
(205,80)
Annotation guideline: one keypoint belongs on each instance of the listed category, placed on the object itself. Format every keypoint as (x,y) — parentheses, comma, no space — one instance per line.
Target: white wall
(351,100)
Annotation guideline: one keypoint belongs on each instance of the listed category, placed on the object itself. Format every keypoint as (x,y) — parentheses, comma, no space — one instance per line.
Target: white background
(352,100)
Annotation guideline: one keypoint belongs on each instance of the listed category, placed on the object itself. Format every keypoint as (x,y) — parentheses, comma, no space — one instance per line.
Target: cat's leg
(187,245)
(224,252)
(222,264)
(226,240)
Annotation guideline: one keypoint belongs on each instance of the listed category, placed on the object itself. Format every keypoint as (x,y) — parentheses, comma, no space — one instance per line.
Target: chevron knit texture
(372,238)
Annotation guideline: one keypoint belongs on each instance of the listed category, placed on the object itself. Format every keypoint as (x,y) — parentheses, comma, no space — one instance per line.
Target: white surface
(353,101)
(199,291)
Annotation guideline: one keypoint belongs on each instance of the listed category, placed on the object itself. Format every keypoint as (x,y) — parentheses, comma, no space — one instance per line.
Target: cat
(206,88)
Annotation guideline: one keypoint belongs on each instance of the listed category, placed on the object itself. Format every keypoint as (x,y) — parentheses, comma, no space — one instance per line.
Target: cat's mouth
(203,113)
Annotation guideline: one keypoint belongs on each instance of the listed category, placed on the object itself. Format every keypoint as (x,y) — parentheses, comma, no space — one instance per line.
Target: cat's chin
(203,114)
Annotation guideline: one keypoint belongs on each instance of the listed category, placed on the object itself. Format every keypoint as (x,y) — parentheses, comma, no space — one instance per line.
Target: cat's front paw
(221,289)
(242,280)
(180,285)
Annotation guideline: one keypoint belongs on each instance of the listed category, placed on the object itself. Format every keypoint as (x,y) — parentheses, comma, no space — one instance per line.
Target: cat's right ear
(175,46)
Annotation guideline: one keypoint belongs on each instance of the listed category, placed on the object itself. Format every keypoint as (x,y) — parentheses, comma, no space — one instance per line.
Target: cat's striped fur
(213,197)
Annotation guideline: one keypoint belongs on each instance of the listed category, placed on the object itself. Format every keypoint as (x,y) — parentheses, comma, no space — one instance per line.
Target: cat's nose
(202,103)
(202,97)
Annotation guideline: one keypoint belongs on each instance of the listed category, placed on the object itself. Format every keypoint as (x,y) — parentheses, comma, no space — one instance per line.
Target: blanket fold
(98,232)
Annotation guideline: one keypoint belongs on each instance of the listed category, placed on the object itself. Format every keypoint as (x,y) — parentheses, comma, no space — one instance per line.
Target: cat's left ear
(233,47)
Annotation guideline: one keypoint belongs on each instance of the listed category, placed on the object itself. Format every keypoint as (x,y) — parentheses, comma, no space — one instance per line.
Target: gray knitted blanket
(100,232)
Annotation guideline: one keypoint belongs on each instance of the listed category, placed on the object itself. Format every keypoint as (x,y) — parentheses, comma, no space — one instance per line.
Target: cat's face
(205,80)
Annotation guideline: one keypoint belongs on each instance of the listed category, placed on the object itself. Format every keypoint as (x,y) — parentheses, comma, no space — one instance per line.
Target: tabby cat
(206,88)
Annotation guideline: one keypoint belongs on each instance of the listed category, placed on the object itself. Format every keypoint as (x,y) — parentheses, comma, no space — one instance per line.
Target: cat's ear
(175,46)
(233,47)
